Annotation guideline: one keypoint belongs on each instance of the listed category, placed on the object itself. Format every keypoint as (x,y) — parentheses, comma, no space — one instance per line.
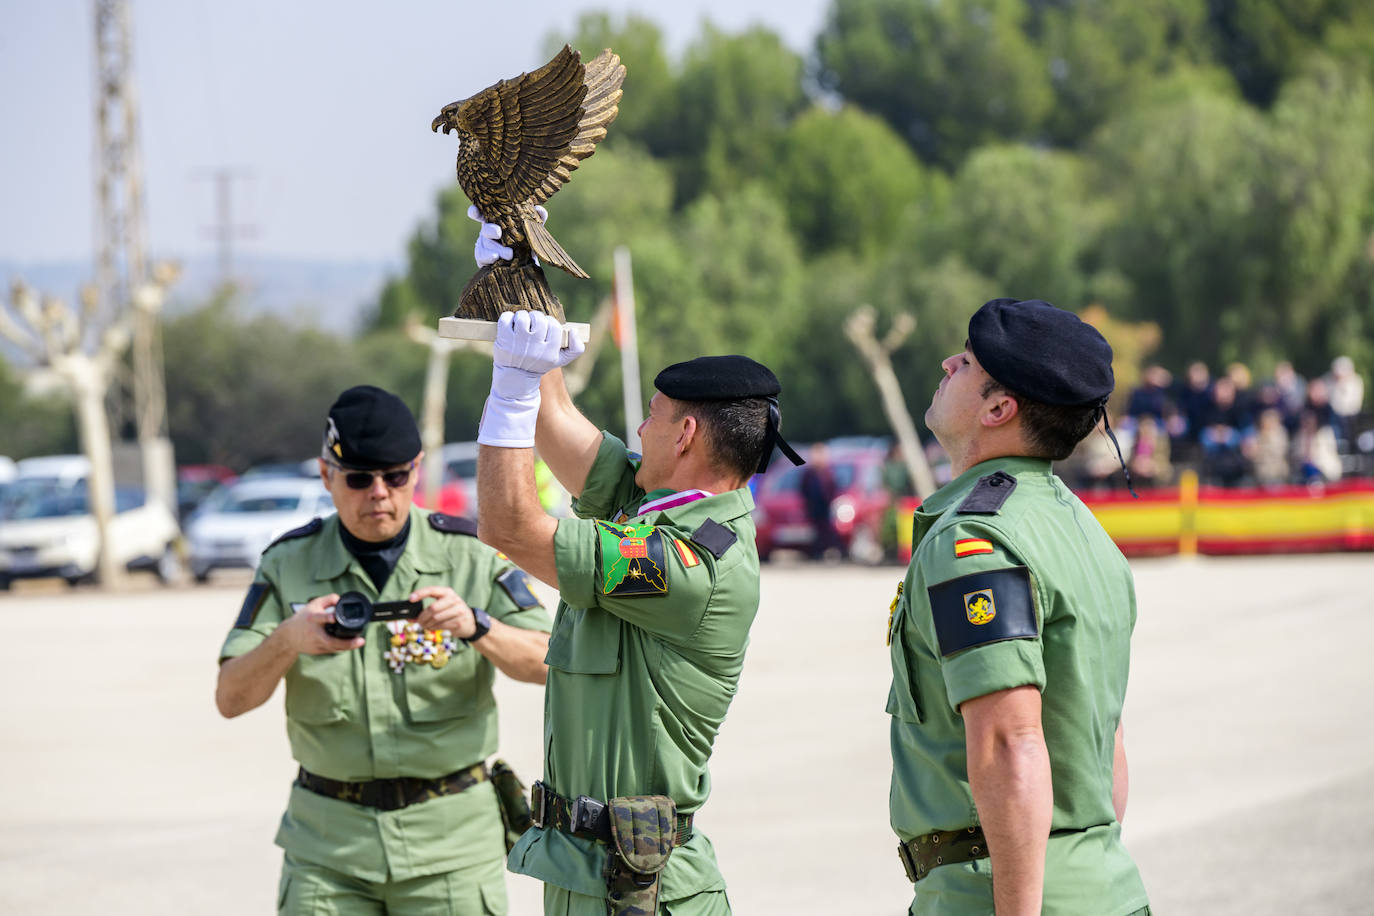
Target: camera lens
(353,611)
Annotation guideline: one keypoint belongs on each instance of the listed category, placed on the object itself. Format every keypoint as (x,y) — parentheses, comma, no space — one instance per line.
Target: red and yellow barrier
(1192,519)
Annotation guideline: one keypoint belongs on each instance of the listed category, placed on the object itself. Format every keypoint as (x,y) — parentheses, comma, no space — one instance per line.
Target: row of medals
(411,644)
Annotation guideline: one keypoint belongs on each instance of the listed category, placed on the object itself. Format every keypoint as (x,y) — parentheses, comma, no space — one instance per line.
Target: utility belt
(393,794)
(640,832)
(946,847)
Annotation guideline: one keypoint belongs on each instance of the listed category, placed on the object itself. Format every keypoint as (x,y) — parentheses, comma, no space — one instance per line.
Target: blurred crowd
(1233,430)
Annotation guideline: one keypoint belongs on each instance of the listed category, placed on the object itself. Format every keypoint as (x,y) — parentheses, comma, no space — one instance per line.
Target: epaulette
(452,524)
(304,531)
(715,537)
(988,494)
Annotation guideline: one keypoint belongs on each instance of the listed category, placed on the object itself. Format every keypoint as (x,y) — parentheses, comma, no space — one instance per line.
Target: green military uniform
(1013,582)
(645,655)
(351,718)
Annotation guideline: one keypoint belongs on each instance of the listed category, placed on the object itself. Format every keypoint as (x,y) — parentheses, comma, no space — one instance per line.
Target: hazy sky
(326,105)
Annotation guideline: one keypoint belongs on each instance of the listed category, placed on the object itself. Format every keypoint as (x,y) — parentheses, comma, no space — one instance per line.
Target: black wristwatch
(483,621)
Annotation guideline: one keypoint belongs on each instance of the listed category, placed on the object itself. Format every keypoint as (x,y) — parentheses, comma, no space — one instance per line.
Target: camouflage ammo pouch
(510,793)
(644,829)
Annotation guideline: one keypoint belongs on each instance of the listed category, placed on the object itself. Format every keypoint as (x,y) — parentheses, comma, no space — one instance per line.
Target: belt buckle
(401,798)
(586,811)
(908,862)
(539,801)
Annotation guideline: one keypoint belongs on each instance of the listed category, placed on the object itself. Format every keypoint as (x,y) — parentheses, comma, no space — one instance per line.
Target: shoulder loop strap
(309,528)
(715,537)
(452,524)
(988,494)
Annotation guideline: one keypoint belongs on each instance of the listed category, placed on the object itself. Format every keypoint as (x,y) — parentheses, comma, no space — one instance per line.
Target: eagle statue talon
(518,143)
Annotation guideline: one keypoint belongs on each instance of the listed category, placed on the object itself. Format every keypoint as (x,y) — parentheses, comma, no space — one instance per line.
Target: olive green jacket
(646,652)
(349,717)
(1013,582)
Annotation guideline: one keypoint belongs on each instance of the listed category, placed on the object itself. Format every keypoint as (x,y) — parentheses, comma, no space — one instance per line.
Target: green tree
(845,178)
(1263,42)
(948,76)
(647,108)
(736,97)
(1191,221)
(33,424)
(245,392)
(1019,216)
(1102,54)
(1322,178)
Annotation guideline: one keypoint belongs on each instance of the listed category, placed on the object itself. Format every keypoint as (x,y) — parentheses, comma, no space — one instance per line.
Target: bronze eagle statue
(518,142)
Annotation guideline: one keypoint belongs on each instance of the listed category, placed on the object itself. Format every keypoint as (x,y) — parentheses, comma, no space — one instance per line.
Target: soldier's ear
(1000,410)
(691,431)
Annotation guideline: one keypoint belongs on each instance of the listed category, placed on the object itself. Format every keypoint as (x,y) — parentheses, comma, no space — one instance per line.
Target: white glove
(528,344)
(489,249)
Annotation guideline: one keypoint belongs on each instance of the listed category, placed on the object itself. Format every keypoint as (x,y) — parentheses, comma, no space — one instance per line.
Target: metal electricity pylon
(121,236)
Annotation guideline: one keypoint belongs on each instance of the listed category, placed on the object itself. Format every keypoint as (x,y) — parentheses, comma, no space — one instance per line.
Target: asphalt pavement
(1252,758)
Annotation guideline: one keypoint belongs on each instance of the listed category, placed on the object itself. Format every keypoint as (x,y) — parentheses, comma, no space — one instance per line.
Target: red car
(856,511)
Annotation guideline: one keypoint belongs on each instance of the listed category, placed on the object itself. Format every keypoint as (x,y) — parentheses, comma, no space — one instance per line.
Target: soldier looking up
(1010,640)
(659,579)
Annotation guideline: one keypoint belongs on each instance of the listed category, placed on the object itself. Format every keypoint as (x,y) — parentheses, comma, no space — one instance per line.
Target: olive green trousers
(313,890)
(561,902)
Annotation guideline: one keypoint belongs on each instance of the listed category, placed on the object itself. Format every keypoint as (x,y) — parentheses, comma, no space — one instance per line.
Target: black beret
(717,378)
(1042,352)
(371,429)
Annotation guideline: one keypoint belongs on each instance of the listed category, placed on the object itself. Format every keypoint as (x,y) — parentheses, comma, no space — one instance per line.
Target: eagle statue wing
(534,130)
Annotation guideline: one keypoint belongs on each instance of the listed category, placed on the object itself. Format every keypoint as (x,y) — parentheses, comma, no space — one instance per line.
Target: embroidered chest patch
(632,560)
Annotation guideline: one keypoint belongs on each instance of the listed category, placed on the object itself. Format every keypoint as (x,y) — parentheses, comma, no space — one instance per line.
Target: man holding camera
(389,709)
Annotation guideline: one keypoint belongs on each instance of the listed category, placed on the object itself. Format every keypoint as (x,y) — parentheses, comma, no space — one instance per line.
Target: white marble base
(481,329)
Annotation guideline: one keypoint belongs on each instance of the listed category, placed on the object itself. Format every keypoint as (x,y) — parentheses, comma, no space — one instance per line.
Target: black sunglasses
(362,480)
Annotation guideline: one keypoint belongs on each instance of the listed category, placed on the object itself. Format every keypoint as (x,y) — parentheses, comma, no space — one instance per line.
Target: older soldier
(394,809)
(1010,641)
(659,579)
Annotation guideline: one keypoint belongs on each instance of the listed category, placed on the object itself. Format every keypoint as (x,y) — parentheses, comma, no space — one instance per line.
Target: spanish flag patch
(967,547)
(689,559)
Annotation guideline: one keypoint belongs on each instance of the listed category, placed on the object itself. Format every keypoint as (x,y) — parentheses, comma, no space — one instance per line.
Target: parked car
(856,511)
(237,523)
(48,531)
(197,481)
(460,466)
(306,468)
(458,480)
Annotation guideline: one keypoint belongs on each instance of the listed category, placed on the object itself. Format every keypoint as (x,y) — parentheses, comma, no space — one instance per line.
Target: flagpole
(629,347)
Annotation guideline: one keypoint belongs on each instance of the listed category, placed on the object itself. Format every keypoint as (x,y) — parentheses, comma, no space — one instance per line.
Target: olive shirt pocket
(317,688)
(584,641)
(451,692)
(904,697)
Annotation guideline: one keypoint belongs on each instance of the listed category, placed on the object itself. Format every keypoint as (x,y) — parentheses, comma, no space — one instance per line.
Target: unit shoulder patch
(633,564)
(452,524)
(988,494)
(252,603)
(715,537)
(517,584)
(983,608)
(311,527)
